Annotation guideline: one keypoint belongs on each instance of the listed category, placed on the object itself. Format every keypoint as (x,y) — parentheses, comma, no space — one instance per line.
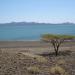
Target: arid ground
(36,58)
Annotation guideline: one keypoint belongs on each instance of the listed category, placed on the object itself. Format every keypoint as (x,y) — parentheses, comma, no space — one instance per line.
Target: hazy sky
(51,11)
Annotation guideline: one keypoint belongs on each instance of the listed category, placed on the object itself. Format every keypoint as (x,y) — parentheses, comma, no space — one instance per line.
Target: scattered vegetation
(26,63)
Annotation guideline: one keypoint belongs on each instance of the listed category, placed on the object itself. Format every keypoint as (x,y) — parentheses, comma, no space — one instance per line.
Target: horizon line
(38,22)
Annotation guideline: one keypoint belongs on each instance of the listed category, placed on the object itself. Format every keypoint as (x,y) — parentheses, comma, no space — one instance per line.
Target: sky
(46,11)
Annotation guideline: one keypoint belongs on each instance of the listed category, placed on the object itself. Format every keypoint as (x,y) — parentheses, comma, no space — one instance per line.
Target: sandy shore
(21,44)
(32,46)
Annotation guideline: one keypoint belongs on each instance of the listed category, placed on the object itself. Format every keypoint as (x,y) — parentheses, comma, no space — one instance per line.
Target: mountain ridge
(36,23)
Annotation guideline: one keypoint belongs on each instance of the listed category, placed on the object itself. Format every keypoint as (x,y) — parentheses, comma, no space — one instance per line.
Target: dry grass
(33,69)
(57,70)
(38,58)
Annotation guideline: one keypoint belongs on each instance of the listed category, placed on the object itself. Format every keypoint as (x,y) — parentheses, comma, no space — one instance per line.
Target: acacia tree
(56,40)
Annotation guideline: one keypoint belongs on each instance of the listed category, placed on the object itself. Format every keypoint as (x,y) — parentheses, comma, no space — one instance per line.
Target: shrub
(41,59)
(57,70)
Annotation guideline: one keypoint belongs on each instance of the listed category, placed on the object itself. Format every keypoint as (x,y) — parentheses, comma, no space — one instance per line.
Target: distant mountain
(34,23)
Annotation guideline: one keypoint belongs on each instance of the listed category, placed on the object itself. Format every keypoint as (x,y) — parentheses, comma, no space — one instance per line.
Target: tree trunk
(56,45)
(56,52)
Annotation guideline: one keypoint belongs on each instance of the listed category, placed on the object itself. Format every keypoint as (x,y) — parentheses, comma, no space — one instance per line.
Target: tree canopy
(48,37)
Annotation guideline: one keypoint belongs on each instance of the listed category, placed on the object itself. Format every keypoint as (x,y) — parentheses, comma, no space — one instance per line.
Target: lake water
(33,32)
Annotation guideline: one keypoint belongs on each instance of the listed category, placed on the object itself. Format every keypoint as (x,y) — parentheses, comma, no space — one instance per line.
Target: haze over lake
(33,31)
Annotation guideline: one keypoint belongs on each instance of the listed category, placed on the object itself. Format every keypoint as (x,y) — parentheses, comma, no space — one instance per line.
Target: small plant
(33,69)
(57,70)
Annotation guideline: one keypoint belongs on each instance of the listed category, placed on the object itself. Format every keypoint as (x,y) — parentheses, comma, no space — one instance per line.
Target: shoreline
(21,44)
(17,44)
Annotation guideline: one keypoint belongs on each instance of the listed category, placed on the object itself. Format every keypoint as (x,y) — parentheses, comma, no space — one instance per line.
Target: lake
(32,32)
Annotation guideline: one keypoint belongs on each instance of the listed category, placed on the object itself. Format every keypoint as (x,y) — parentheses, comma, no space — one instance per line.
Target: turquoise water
(33,32)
